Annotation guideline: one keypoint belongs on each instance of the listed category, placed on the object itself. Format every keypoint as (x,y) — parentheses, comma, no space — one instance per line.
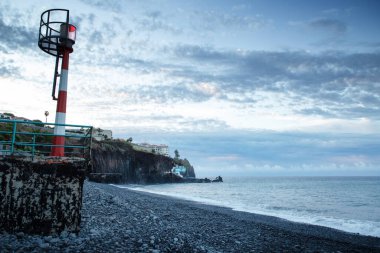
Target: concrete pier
(43,196)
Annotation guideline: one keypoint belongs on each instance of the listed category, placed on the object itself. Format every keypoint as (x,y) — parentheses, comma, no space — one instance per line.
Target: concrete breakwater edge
(121,220)
(42,196)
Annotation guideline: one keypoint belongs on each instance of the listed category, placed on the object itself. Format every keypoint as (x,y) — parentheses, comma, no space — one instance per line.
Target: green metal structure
(30,139)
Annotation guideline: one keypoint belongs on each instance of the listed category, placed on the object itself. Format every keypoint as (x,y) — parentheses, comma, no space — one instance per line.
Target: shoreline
(283,223)
(294,219)
(124,220)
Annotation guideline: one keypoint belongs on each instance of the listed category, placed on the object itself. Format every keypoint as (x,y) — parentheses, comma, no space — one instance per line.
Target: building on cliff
(179,170)
(22,119)
(101,134)
(5,116)
(160,149)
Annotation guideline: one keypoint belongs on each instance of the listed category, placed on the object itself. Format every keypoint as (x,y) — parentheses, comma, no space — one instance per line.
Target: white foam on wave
(171,194)
(348,225)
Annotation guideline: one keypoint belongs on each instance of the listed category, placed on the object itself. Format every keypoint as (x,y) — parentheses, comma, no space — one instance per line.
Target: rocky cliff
(116,162)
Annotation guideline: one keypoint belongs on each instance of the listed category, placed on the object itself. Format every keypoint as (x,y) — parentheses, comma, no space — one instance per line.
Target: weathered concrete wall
(42,197)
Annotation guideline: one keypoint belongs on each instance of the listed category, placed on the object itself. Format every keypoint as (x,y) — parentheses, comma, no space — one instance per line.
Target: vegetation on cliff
(36,137)
(25,135)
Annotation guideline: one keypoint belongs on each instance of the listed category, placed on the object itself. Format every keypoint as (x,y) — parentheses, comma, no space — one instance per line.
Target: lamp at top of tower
(67,35)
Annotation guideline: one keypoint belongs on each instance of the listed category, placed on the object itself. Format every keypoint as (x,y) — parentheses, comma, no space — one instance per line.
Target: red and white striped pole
(60,117)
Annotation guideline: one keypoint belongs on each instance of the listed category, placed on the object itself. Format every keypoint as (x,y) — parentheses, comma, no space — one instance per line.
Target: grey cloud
(84,22)
(177,122)
(165,94)
(358,111)
(185,123)
(332,25)
(241,7)
(206,124)
(7,70)
(100,38)
(144,118)
(154,14)
(164,117)
(17,36)
(331,78)
(77,21)
(155,21)
(91,18)
(191,73)
(372,45)
(96,37)
(332,11)
(3,49)
(212,20)
(316,111)
(344,85)
(243,22)
(113,5)
(202,53)
(371,99)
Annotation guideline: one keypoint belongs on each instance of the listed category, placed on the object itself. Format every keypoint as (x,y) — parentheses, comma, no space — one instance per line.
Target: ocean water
(350,204)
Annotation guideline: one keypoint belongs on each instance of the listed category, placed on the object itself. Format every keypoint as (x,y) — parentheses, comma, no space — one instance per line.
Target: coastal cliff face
(116,162)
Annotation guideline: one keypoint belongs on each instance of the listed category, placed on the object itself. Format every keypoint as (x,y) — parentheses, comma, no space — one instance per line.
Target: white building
(101,134)
(5,116)
(160,149)
(179,170)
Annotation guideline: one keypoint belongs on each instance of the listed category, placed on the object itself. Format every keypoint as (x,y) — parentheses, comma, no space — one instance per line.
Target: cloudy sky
(238,87)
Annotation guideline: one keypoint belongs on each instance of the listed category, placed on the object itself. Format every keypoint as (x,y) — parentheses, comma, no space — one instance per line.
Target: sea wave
(304,213)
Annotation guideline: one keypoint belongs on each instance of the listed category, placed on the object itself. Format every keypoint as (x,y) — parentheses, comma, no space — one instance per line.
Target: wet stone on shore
(118,220)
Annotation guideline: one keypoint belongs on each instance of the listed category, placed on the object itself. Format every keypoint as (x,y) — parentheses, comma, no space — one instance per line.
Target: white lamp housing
(68,32)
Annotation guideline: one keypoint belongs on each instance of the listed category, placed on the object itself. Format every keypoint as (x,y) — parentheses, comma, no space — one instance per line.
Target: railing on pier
(31,138)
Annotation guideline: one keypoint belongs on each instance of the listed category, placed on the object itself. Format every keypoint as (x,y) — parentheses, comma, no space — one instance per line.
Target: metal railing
(31,138)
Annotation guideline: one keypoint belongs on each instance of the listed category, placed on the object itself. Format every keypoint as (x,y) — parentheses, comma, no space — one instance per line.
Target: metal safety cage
(55,31)
(55,36)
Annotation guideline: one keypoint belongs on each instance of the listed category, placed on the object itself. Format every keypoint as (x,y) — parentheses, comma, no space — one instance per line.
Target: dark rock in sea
(202,180)
(206,180)
(218,179)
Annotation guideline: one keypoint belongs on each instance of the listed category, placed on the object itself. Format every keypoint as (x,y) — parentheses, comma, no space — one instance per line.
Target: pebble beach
(122,220)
